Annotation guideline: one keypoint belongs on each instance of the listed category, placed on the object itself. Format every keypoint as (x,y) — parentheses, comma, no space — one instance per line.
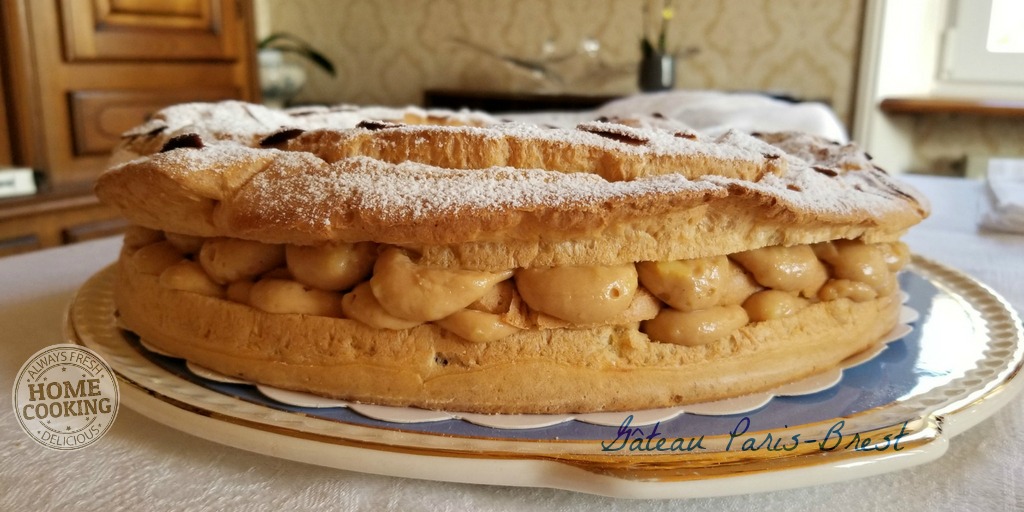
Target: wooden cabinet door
(5,133)
(149,29)
(75,73)
(88,69)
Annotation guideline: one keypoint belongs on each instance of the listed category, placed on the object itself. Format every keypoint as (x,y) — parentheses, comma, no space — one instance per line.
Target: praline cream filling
(688,302)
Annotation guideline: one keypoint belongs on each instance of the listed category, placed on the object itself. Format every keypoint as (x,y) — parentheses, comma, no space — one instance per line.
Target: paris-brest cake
(454,261)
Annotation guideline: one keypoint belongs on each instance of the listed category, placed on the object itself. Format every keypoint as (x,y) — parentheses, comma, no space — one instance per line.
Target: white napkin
(717,111)
(709,111)
(1004,208)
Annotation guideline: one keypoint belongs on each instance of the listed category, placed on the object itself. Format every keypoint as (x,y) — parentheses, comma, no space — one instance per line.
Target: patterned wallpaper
(389,51)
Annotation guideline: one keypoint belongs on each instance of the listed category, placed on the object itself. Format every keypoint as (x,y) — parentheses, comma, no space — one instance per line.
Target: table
(142,464)
(499,102)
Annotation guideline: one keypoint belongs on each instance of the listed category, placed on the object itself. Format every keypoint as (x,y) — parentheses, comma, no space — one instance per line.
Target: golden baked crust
(540,371)
(494,197)
(668,198)
(237,122)
(613,151)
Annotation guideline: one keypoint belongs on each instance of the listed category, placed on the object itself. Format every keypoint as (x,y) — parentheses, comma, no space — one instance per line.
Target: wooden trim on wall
(52,76)
(248,68)
(23,115)
(966,106)
(6,158)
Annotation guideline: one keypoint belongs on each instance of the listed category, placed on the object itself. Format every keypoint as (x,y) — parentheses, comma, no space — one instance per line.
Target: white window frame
(902,55)
(966,58)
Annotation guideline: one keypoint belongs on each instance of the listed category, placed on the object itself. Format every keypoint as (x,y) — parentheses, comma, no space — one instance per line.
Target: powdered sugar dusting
(818,151)
(244,123)
(803,189)
(642,140)
(289,185)
(419,190)
(235,122)
(411,192)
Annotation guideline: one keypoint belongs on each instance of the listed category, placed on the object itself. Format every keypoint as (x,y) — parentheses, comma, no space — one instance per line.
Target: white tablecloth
(141,464)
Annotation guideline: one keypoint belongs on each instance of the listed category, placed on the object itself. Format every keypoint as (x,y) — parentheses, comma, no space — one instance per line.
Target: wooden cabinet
(5,133)
(86,70)
(55,217)
(155,30)
(75,74)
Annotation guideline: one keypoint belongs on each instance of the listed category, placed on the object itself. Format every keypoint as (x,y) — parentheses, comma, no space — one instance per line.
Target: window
(985,42)
(1006,27)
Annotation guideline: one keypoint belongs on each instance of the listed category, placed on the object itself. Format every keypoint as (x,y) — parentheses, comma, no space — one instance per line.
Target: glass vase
(657,72)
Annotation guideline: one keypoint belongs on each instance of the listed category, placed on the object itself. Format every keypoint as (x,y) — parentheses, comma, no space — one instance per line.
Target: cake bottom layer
(609,368)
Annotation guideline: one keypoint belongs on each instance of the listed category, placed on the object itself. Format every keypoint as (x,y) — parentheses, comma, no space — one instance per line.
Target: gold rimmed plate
(960,364)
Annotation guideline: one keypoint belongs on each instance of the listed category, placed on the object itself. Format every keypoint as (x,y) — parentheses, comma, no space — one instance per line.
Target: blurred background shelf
(497,102)
(973,107)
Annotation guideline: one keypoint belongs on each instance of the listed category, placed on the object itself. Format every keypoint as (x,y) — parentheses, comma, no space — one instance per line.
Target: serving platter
(741,404)
(958,365)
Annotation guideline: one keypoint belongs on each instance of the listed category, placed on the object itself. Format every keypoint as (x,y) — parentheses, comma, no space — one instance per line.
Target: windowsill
(974,107)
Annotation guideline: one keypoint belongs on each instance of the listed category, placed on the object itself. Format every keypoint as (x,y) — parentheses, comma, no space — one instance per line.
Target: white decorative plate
(747,403)
(959,364)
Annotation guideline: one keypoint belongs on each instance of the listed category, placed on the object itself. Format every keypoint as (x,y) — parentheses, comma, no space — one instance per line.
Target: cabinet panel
(174,11)
(18,245)
(123,45)
(74,74)
(6,158)
(54,218)
(98,118)
(149,30)
(91,230)
(5,155)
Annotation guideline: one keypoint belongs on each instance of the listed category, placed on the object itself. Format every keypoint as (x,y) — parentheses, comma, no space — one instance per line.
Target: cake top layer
(238,122)
(351,174)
